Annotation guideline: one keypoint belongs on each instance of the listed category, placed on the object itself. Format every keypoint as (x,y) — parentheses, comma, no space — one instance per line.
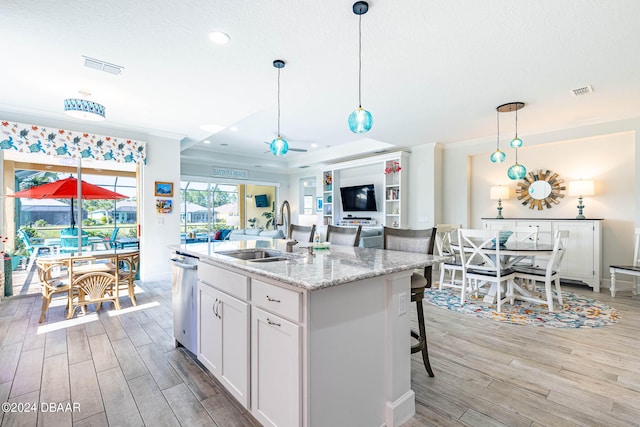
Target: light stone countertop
(328,267)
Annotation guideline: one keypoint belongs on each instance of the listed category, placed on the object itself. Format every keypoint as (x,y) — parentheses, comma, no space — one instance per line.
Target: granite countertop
(328,267)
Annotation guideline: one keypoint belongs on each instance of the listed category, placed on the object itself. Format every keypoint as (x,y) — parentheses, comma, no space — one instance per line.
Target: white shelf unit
(327,197)
(391,191)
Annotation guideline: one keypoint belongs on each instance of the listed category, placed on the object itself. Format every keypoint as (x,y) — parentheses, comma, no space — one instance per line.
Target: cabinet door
(276,370)
(234,346)
(499,224)
(209,329)
(578,261)
(224,340)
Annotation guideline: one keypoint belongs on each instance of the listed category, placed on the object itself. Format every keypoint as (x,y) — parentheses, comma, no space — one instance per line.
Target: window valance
(69,144)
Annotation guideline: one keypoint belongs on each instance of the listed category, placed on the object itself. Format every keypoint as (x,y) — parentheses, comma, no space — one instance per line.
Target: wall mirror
(540,189)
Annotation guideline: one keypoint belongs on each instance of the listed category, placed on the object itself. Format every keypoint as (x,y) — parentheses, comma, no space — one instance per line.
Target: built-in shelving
(390,179)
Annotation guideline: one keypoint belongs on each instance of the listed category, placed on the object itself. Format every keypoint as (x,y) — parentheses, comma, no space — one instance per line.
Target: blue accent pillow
(225,233)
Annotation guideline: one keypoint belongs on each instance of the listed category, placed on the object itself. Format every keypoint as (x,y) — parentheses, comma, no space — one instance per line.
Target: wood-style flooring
(122,369)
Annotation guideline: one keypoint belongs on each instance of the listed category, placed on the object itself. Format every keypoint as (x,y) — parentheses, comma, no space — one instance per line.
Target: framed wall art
(164,189)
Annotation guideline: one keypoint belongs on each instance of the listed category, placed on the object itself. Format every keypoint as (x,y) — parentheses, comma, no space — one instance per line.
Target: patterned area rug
(577,312)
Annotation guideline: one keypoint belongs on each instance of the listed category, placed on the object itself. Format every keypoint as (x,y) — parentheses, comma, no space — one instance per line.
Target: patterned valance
(69,144)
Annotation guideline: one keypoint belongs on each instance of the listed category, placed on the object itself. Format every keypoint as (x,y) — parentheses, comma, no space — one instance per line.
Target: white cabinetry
(223,332)
(582,260)
(275,365)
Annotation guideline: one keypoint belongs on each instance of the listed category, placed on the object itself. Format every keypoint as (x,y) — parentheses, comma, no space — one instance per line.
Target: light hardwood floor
(124,370)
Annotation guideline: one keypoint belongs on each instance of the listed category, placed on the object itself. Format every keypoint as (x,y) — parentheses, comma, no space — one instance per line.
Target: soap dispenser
(316,237)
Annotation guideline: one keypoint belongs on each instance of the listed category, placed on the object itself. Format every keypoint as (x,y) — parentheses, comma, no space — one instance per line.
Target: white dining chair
(452,266)
(630,270)
(548,275)
(480,258)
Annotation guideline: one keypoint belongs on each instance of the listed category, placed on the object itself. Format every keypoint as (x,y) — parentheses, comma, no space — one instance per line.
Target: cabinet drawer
(277,300)
(543,226)
(227,281)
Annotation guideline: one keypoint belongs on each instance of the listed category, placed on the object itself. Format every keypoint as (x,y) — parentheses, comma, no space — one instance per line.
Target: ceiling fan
(300,150)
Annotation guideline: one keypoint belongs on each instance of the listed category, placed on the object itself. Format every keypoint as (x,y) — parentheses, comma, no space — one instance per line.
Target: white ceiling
(433,70)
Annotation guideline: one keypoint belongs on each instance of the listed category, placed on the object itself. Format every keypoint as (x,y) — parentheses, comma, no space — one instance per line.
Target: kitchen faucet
(281,216)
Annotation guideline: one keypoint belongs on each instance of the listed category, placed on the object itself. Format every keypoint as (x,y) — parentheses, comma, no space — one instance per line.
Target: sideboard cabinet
(582,261)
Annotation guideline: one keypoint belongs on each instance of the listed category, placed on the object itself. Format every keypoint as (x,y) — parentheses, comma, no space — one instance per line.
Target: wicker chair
(53,283)
(127,271)
(94,288)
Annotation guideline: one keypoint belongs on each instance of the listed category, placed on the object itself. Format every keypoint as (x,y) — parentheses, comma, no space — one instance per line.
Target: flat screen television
(262,201)
(358,198)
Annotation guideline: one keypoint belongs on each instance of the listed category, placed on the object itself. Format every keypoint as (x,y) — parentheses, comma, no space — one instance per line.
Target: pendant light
(279,146)
(517,142)
(360,121)
(498,156)
(515,171)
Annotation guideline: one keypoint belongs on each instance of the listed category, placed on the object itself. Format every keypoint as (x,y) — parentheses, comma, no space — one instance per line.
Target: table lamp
(581,188)
(499,193)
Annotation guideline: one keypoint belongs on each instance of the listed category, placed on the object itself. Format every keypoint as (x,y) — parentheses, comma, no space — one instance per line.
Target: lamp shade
(581,188)
(499,192)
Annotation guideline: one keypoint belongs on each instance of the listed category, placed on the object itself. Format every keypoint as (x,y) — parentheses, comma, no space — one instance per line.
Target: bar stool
(418,284)
(417,241)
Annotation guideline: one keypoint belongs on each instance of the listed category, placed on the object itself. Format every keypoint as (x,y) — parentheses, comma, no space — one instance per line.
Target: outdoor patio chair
(34,247)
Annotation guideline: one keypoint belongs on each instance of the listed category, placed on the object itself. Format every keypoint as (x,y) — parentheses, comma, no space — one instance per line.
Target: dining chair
(127,270)
(53,282)
(524,234)
(480,258)
(301,233)
(94,288)
(548,275)
(348,236)
(416,241)
(631,270)
(444,234)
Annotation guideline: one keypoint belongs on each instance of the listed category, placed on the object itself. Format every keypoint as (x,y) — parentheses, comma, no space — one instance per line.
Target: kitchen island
(308,340)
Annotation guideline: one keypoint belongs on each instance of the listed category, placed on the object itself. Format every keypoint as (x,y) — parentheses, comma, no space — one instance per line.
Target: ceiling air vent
(582,90)
(96,64)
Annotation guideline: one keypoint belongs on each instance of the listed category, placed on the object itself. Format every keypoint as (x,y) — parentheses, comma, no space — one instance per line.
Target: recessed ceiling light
(212,128)
(233,128)
(206,141)
(314,145)
(218,37)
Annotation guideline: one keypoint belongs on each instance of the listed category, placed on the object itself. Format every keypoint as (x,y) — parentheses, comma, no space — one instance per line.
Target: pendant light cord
(517,121)
(278,102)
(498,125)
(359,61)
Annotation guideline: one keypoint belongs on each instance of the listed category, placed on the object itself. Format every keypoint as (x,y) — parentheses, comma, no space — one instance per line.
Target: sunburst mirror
(540,189)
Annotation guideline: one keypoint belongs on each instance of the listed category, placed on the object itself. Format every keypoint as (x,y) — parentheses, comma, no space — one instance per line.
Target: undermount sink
(259,255)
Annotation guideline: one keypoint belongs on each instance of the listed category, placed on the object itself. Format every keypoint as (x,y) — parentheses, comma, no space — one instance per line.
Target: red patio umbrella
(68,189)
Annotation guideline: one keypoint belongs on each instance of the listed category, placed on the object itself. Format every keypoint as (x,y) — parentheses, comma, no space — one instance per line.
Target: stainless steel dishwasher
(184,283)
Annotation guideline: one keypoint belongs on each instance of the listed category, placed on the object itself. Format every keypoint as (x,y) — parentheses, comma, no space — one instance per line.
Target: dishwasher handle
(182,265)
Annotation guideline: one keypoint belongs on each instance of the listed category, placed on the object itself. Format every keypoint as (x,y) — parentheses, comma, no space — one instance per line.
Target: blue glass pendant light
(517,142)
(498,156)
(360,121)
(516,171)
(279,146)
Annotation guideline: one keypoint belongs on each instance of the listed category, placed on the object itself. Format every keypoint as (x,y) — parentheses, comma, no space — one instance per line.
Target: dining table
(511,253)
(79,263)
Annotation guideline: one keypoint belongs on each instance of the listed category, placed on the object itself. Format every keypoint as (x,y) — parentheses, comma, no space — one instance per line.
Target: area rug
(577,312)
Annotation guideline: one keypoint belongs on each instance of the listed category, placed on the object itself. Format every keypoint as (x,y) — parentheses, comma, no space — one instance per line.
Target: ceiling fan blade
(300,150)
